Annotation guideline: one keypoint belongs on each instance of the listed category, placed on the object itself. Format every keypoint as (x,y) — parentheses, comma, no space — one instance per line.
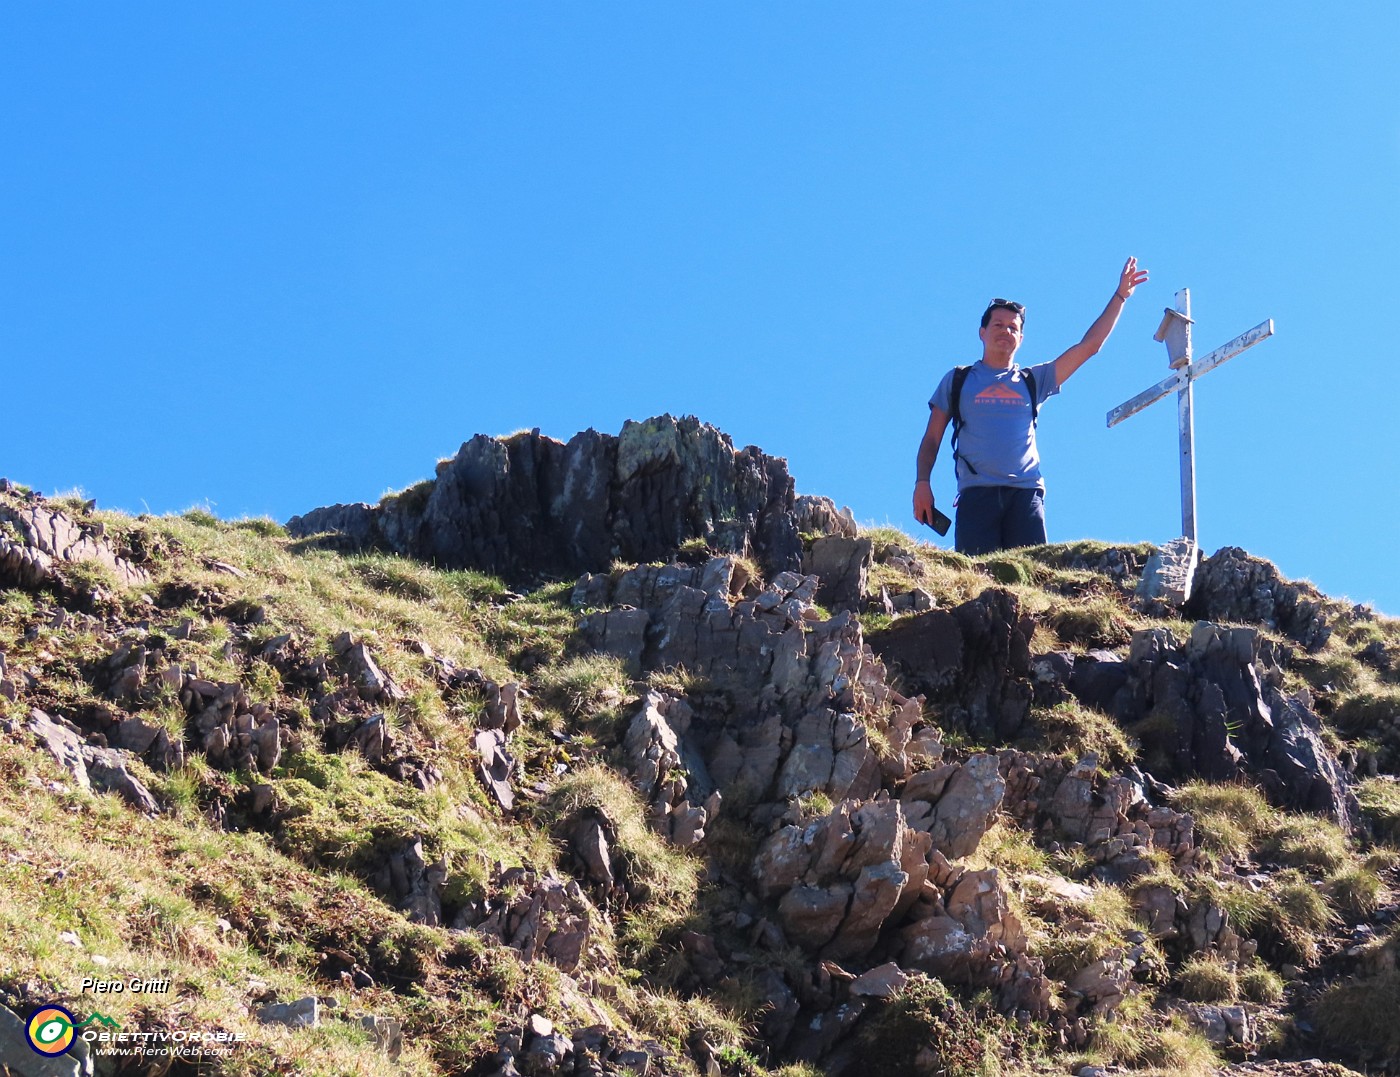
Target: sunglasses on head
(1009,304)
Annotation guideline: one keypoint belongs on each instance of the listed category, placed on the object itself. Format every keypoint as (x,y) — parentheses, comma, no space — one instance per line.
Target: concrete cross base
(1170,572)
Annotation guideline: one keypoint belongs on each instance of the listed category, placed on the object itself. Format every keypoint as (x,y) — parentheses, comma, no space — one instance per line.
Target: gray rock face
(414,885)
(103,769)
(528,505)
(1233,586)
(966,807)
(974,659)
(61,742)
(843,567)
(234,732)
(538,917)
(664,768)
(1220,714)
(41,536)
(963,931)
(839,879)
(805,695)
(1111,817)
(1170,573)
(303,1013)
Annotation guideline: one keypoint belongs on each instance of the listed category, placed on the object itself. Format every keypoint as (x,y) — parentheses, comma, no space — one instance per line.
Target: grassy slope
(245,911)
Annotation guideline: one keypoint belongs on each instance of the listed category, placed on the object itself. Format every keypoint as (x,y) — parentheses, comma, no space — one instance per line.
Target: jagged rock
(47,536)
(654,745)
(495,766)
(1111,816)
(106,770)
(779,1009)
(503,706)
(819,515)
(545,1050)
(963,932)
(235,733)
(1159,906)
(1221,1024)
(840,878)
(1097,678)
(916,600)
(62,742)
(103,769)
(373,683)
(1233,586)
(1050,677)
(544,918)
(373,738)
(704,957)
(8,689)
(303,1013)
(814,1038)
(975,660)
(968,803)
(884,981)
(590,845)
(1218,713)
(1103,984)
(527,505)
(414,885)
(806,692)
(843,567)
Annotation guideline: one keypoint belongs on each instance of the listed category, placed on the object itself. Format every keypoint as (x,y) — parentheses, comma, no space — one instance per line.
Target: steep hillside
(787,797)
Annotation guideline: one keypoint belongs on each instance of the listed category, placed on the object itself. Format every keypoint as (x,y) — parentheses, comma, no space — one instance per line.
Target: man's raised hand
(1130,278)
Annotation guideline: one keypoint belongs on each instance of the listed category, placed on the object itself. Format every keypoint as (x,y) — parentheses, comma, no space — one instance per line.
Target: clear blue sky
(267,257)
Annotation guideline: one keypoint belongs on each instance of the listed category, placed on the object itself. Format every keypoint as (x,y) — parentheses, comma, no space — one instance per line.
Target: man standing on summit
(993,406)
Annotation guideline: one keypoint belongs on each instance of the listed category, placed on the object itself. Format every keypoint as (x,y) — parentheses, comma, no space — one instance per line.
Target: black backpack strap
(955,412)
(1035,404)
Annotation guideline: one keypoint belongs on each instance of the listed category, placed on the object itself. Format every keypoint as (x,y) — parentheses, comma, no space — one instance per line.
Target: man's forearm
(1093,340)
(923,464)
(1103,325)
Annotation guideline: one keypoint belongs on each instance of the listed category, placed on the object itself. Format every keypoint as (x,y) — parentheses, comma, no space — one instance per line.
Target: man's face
(1002,336)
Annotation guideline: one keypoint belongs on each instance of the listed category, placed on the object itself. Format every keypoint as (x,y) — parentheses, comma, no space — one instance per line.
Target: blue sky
(266,257)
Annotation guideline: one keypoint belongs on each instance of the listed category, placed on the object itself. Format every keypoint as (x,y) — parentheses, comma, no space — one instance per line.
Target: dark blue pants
(999,518)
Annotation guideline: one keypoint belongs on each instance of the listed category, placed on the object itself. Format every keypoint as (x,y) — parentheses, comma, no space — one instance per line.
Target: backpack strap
(955,413)
(1035,404)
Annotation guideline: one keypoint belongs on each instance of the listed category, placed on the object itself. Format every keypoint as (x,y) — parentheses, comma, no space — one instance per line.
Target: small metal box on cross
(1175,332)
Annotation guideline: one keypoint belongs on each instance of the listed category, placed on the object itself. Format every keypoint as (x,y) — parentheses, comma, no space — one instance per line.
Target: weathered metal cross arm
(1179,378)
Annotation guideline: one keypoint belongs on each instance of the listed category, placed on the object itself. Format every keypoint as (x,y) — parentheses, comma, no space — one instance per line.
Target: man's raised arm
(1103,325)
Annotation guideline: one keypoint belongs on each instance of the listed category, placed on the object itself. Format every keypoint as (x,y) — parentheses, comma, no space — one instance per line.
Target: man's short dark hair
(1004,304)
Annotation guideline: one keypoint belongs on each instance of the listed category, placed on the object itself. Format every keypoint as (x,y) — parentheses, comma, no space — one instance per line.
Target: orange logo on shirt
(1000,394)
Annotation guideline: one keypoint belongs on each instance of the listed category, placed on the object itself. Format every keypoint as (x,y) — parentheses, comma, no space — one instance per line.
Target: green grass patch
(1359,1016)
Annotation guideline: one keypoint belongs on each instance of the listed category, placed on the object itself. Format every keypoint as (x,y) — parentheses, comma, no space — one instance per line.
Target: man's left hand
(1130,278)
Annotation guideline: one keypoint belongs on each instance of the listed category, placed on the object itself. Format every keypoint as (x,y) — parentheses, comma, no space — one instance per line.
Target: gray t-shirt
(996,446)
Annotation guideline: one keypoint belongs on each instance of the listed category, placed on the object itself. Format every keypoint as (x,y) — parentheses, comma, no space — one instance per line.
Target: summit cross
(1175,332)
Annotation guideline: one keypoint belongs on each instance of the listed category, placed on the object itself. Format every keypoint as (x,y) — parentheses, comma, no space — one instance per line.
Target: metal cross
(1175,332)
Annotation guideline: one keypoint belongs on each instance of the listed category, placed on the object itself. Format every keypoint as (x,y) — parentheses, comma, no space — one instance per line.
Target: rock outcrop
(803,695)
(35,537)
(528,506)
(1230,585)
(1214,707)
(975,660)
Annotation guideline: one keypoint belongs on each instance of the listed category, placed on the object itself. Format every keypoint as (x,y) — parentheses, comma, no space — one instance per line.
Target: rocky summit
(618,756)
